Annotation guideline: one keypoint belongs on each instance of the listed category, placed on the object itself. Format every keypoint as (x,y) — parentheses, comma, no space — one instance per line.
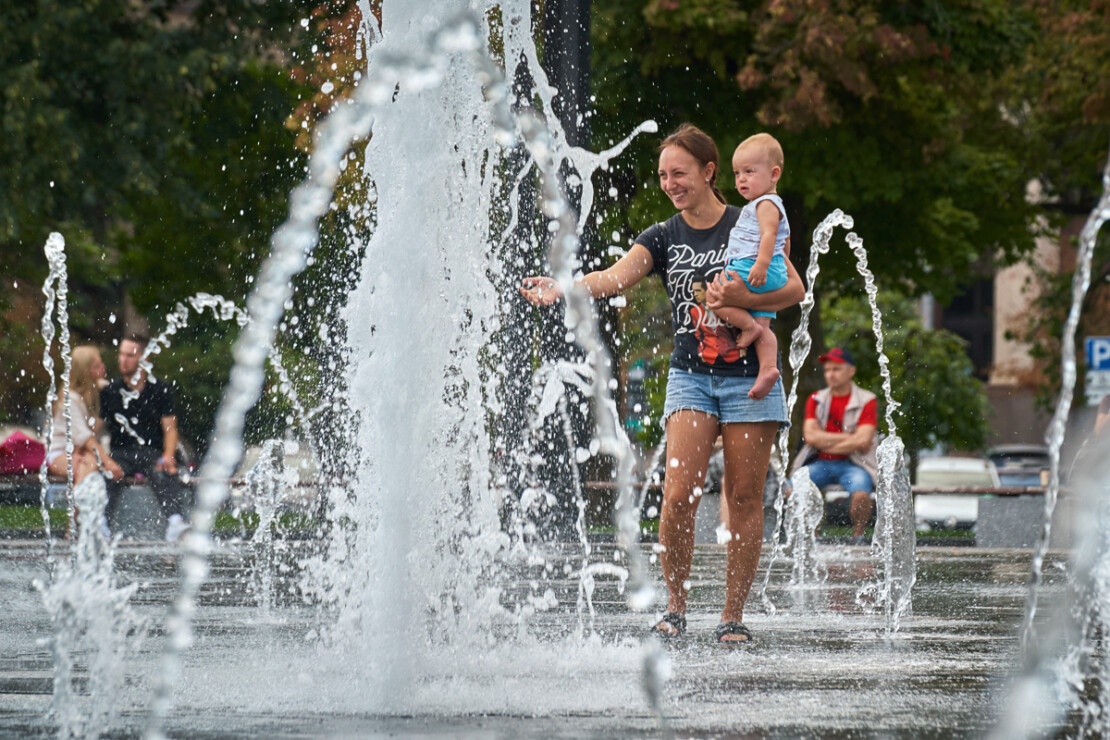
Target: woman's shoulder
(77,406)
(655,232)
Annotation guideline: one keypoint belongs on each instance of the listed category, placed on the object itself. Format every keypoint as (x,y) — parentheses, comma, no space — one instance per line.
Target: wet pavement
(820,666)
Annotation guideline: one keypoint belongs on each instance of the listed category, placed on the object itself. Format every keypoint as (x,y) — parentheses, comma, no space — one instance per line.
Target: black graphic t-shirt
(138,421)
(702,342)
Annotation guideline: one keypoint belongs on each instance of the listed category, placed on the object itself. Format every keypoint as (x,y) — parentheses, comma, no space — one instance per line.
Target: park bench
(135,515)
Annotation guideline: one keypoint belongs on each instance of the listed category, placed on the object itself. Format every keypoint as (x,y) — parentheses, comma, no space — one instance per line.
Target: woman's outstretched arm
(625,272)
(724,292)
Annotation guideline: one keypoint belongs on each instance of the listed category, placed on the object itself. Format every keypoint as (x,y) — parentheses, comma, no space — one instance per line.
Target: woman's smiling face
(683,178)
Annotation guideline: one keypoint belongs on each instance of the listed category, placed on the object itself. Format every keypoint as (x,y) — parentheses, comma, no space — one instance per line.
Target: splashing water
(800,345)
(1054,436)
(1067,667)
(424,527)
(223,310)
(894,539)
(56,259)
(611,437)
(267,483)
(93,621)
(894,533)
(804,511)
(92,618)
(650,478)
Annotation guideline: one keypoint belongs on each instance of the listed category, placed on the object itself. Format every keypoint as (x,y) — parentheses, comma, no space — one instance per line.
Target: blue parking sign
(1098,353)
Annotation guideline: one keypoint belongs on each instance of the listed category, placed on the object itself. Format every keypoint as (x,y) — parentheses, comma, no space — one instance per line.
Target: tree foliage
(153,136)
(925,122)
(890,111)
(942,402)
(1062,97)
(162,138)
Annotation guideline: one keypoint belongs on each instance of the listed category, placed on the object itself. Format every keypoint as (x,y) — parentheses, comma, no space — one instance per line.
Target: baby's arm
(768,215)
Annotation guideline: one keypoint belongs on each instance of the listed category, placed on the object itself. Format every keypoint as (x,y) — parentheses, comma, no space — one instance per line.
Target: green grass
(226,522)
(30,517)
(955,534)
(647,526)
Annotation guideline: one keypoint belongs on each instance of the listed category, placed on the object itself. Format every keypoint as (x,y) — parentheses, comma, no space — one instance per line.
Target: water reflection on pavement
(819,667)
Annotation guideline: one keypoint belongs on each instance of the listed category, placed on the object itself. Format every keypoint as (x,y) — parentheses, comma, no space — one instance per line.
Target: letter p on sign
(1098,353)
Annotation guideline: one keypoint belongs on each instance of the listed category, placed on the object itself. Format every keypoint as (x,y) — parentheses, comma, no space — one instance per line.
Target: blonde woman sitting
(84,398)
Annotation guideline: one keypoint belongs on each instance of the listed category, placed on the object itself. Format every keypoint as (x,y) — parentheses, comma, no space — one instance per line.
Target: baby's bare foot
(749,335)
(763,384)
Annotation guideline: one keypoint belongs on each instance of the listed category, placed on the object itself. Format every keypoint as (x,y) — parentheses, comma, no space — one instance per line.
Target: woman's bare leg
(58,466)
(747,455)
(83,464)
(724,503)
(690,438)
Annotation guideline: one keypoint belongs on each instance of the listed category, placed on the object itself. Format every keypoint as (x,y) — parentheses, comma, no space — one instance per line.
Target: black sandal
(733,628)
(674,619)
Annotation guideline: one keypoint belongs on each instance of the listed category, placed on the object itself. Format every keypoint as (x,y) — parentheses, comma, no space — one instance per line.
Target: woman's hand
(725,292)
(540,291)
(112,468)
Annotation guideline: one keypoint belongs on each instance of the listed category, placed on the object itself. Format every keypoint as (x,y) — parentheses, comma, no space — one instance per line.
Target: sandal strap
(676,620)
(733,628)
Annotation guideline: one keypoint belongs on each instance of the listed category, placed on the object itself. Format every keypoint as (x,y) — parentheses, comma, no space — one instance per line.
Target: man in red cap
(839,432)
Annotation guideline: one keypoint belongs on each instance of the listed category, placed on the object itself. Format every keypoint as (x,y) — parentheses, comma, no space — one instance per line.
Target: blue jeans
(847,474)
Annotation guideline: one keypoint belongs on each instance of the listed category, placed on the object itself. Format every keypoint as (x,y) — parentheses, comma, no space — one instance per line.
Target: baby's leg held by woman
(767,351)
(749,327)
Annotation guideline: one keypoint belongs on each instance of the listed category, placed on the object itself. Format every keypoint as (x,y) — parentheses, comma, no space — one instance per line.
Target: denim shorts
(723,396)
(845,473)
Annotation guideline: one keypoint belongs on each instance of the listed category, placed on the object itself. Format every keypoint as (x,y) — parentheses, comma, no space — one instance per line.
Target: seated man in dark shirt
(139,414)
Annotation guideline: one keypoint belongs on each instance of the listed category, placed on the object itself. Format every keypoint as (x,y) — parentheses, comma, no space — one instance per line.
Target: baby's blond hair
(765,144)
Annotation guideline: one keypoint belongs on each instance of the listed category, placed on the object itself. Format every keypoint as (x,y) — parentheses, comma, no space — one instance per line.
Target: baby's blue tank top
(743,240)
